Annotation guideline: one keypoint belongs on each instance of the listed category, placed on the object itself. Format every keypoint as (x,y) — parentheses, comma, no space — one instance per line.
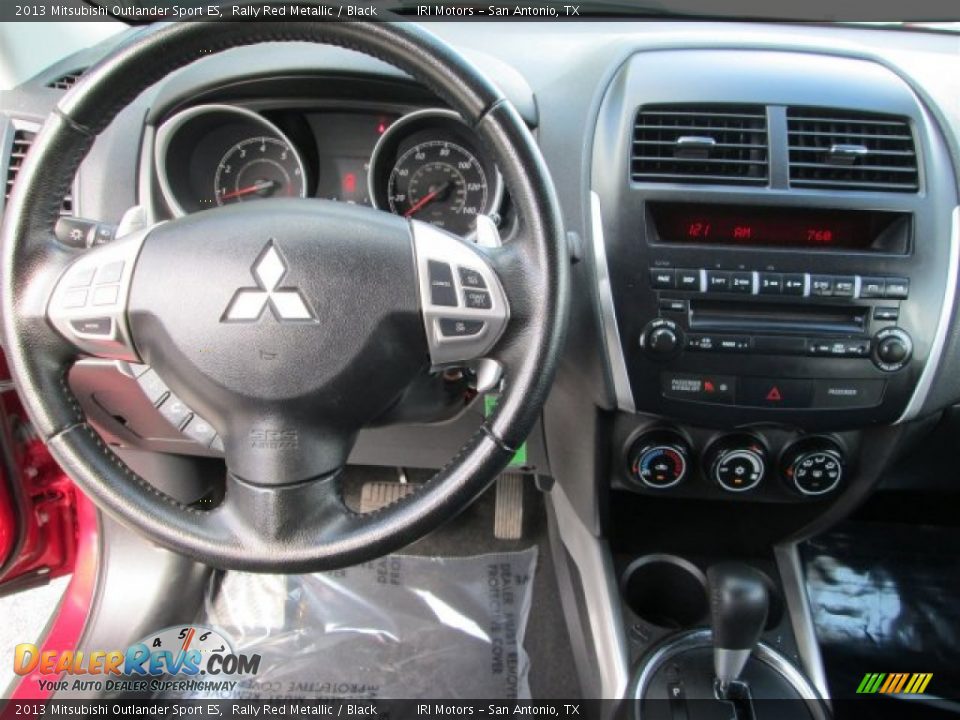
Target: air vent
(720,144)
(67,80)
(845,150)
(22,140)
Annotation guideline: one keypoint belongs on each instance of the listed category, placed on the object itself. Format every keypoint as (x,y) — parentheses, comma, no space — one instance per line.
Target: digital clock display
(774,227)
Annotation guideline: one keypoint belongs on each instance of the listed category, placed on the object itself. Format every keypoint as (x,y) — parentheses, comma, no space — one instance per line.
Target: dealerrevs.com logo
(180,659)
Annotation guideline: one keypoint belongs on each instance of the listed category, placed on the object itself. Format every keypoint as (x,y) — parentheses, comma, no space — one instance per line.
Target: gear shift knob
(738,613)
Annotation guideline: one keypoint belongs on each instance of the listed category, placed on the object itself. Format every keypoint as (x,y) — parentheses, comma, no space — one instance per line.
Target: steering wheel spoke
(88,305)
(465,308)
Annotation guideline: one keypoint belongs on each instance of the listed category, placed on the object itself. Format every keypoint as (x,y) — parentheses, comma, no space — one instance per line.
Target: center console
(774,258)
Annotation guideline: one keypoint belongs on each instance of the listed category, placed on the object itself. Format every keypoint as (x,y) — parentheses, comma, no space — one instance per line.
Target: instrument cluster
(425,164)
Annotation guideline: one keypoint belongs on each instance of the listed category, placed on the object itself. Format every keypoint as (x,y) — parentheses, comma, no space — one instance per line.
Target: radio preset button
(741,282)
(794,284)
(772,284)
(821,285)
(663,278)
(844,287)
(718,281)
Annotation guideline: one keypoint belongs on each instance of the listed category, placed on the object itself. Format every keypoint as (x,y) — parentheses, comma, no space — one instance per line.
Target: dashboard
(424,164)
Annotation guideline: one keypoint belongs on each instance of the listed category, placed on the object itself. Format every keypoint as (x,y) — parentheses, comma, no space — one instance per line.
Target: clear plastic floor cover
(400,627)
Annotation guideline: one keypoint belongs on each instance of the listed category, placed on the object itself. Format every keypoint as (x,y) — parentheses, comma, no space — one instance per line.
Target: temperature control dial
(814,467)
(737,463)
(659,460)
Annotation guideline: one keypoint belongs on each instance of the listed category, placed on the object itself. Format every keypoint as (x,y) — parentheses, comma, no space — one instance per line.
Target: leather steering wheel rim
(535,267)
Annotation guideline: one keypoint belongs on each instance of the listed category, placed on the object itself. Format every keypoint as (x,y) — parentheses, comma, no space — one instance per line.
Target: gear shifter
(738,613)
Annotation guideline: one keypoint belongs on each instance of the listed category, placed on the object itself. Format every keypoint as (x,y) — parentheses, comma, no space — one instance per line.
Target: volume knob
(661,339)
(892,349)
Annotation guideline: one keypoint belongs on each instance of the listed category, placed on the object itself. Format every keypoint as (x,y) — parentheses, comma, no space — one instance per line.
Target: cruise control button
(848,393)
(110,273)
(106,295)
(442,291)
(775,393)
(662,279)
(688,280)
(471,278)
(699,388)
(102,326)
(718,281)
(450,327)
(477,299)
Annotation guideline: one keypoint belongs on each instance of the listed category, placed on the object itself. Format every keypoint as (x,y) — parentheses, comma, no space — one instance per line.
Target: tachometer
(439,182)
(258,167)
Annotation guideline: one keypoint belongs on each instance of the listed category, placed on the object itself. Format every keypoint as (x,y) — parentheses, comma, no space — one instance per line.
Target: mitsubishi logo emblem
(287,303)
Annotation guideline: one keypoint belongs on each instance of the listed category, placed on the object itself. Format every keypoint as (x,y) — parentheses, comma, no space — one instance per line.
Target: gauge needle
(426,200)
(256,187)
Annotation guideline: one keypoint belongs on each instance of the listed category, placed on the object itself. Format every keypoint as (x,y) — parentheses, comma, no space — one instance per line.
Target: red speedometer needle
(426,200)
(256,187)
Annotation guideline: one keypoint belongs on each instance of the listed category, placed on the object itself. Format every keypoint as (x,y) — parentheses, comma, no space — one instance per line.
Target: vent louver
(847,150)
(720,144)
(22,140)
(67,80)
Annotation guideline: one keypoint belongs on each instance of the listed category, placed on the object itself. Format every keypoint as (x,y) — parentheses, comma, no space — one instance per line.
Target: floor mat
(401,627)
(884,598)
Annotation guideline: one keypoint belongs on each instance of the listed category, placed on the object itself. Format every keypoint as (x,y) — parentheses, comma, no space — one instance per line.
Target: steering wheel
(288,325)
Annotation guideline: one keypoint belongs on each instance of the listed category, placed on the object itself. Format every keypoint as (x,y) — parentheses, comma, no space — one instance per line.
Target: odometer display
(439,182)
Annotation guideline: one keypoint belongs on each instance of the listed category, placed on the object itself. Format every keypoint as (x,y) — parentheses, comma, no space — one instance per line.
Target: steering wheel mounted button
(75,299)
(471,279)
(81,277)
(460,328)
(477,299)
(442,290)
(102,326)
(153,387)
(106,295)
(110,273)
(175,411)
(199,430)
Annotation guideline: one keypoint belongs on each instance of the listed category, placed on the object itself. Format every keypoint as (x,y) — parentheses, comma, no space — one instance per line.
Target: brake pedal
(508,515)
(378,494)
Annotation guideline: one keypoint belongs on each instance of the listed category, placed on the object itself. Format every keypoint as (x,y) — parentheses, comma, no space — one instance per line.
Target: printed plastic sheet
(400,627)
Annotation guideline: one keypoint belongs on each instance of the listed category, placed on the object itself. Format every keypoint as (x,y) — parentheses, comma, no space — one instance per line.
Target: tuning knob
(892,349)
(661,339)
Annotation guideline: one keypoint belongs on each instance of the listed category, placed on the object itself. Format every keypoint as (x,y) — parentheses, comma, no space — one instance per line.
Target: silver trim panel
(932,364)
(608,316)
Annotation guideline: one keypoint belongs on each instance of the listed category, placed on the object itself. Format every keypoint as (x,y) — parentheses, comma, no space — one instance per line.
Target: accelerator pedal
(508,515)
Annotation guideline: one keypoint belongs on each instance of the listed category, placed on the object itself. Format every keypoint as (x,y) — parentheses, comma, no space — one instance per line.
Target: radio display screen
(779,227)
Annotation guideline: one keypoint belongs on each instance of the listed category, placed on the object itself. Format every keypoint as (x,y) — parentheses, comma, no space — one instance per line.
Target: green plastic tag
(489,404)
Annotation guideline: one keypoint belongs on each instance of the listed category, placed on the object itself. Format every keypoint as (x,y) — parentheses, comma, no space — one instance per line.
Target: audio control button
(872,287)
(741,282)
(688,280)
(794,284)
(821,285)
(663,278)
(844,287)
(772,284)
(718,281)
(896,289)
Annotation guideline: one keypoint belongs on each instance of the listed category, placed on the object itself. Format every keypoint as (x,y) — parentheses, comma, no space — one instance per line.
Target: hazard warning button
(775,393)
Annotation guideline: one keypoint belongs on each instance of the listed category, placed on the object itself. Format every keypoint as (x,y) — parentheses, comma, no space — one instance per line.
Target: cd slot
(757,318)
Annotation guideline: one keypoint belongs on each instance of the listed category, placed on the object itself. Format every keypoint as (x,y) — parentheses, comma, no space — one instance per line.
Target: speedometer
(439,182)
(429,166)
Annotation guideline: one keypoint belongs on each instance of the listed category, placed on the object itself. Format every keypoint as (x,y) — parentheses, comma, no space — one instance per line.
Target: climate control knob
(814,467)
(661,339)
(659,460)
(737,463)
(892,349)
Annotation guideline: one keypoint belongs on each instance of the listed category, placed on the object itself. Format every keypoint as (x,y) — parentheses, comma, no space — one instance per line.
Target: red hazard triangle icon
(774,394)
